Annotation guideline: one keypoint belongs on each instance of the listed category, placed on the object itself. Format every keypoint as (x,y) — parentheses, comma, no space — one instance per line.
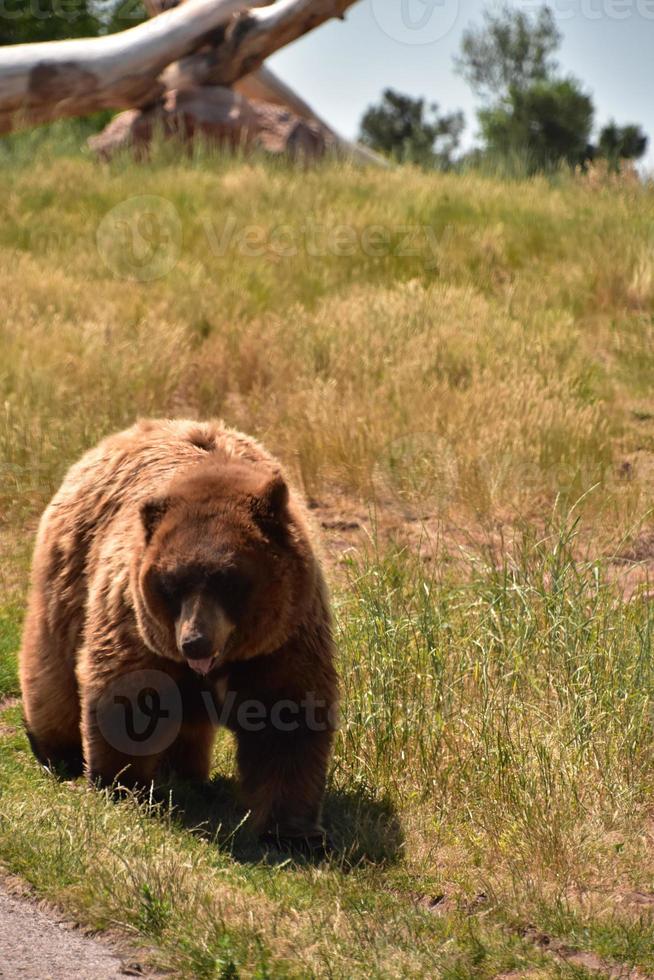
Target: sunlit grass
(495,742)
(464,352)
(340,315)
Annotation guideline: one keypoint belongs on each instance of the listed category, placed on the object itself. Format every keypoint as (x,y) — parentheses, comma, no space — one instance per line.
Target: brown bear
(175,587)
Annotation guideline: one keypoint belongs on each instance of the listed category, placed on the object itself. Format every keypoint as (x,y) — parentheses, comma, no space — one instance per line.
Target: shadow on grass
(360,829)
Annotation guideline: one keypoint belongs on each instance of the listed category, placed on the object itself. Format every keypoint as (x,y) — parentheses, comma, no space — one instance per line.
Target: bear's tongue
(201,666)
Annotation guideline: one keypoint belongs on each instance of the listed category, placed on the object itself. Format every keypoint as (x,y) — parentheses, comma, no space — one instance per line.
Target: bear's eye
(230,588)
(170,592)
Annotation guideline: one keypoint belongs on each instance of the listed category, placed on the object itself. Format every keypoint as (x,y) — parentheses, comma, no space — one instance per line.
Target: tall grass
(495,749)
(462,356)
(526,690)
(364,324)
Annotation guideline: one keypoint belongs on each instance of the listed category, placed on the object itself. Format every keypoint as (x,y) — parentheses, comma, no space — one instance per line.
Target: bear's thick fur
(174,587)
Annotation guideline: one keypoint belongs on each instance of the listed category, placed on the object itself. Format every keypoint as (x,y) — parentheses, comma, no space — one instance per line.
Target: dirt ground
(35,945)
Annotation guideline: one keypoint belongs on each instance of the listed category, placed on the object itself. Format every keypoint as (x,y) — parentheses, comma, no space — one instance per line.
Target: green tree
(119,15)
(543,125)
(411,131)
(618,143)
(531,114)
(510,51)
(24,21)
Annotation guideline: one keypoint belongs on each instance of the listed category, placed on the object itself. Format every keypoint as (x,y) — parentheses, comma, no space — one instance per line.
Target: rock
(221,117)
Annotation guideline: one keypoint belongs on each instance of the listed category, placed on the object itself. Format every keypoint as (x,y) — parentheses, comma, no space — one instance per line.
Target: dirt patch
(36,945)
(443,904)
(641,549)
(641,900)
(581,959)
(348,527)
(522,975)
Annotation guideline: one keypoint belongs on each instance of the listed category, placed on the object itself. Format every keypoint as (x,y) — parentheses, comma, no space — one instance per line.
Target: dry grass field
(459,372)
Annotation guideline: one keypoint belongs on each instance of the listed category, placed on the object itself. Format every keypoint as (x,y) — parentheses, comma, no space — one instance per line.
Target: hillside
(459,373)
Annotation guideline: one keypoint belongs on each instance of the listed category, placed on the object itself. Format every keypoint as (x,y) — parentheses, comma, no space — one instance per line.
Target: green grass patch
(494,761)
(459,350)
(10,626)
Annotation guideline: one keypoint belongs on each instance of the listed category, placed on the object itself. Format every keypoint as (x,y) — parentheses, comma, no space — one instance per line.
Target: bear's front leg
(130,720)
(107,766)
(283,775)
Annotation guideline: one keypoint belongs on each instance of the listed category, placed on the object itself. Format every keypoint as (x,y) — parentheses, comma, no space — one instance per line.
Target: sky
(409,45)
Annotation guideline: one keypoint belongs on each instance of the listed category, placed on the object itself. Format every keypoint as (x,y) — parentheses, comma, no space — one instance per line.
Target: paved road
(34,946)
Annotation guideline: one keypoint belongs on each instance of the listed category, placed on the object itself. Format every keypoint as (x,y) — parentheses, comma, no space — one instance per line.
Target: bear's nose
(197,647)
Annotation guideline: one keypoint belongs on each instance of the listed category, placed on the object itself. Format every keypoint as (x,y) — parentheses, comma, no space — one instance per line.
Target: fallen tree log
(194,68)
(227,118)
(251,39)
(289,20)
(57,79)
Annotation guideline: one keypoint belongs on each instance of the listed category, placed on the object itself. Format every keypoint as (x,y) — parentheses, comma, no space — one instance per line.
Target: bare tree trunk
(253,38)
(52,80)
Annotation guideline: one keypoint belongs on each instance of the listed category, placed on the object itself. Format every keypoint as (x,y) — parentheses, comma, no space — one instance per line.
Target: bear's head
(226,570)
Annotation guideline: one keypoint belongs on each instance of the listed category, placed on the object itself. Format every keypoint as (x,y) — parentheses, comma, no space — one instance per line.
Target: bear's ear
(152,513)
(270,503)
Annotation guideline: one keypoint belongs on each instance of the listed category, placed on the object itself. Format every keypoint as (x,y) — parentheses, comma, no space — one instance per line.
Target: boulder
(219,116)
